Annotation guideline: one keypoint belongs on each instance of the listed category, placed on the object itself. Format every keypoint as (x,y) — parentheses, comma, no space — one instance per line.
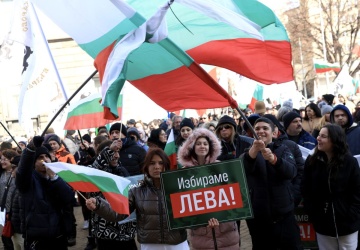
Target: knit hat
(41,150)
(134,131)
(116,126)
(288,104)
(329,98)
(186,122)
(54,138)
(47,145)
(260,107)
(226,120)
(252,118)
(325,109)
(87,138)
(288,118)
(23,142)
(274,120)
(70,132)
(131,121)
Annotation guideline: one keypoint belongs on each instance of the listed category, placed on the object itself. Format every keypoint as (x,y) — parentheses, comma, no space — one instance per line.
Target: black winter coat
(344,196)
(132,157)
(269,185)
(295,150)
(42,202)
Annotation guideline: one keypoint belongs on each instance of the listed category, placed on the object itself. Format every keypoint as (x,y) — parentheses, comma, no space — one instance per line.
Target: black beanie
(226,120)
(15,160)
(251,118)
(186,122)
(116,126)
(288,118)
(41,150)
(274,120)
(55,138)
(329,98)
(87,138)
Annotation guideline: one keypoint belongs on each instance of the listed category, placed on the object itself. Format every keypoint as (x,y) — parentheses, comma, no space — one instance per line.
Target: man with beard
(295,132)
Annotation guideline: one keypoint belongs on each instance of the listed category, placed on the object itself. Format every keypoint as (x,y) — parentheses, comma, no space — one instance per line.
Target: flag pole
(49,52)
(247,123)
(68,101)
(7,131)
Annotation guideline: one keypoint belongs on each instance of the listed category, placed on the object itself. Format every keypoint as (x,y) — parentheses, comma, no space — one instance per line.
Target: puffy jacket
(344,196)
(64,156)
(269,185)
(234,149)
(152,223)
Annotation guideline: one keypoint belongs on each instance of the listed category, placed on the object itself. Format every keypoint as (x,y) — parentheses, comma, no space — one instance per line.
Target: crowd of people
(39,205)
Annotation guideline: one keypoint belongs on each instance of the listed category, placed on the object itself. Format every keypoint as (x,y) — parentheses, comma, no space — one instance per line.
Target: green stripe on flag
(93,48)
(104,184)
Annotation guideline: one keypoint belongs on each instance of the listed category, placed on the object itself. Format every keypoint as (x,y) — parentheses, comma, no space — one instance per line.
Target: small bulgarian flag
(170,151)
(85,179)
(257,96)
(88,113)
(322,67)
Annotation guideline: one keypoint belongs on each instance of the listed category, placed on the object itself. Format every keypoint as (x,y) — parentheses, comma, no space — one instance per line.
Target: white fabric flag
(41,89)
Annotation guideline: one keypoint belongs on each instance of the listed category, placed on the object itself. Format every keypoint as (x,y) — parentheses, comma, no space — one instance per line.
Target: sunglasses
(224,127)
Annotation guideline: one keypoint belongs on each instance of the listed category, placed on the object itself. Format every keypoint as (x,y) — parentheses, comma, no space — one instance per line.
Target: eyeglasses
(4,159)
(224,127)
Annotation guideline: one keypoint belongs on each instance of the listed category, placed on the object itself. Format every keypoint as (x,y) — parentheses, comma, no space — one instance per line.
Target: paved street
(81,239)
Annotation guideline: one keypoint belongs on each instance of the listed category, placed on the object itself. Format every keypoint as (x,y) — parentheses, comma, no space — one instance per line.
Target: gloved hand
(38,140)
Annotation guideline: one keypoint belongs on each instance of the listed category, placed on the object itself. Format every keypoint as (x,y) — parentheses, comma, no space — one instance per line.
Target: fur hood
(184,157)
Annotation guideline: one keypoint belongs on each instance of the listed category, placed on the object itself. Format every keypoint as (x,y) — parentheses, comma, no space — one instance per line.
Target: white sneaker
(86,224)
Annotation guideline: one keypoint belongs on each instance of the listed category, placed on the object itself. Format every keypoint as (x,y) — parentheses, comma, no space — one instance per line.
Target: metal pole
(247,123)
(7,131)
(323,43)
(302,70)
(68,101)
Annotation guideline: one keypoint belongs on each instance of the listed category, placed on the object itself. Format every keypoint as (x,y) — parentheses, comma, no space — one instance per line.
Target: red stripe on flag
(119,203)
(267,62)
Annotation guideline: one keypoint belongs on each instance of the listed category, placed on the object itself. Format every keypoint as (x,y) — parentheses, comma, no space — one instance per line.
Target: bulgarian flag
(322,67)
(244,37)
(85,179)
(170,150)
(88,113)
(258,95)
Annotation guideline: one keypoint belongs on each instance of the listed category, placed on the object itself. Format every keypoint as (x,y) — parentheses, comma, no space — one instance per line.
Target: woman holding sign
(148,201)
(331,190)
(202,147)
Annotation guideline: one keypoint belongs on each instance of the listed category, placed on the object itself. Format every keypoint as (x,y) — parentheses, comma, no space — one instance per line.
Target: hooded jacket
(352,130)
(227,235)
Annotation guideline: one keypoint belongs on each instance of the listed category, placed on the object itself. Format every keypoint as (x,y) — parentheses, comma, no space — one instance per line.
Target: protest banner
(196,194)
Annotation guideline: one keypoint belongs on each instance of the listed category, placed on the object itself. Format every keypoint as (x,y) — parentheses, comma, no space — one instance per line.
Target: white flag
(41,90)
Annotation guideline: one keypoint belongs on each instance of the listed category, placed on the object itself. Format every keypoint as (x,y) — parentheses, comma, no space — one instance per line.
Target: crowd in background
(279,179)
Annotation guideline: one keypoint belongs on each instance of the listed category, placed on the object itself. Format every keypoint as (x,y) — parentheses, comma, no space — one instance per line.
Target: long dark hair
(150,154)
(314,107)
(339,147)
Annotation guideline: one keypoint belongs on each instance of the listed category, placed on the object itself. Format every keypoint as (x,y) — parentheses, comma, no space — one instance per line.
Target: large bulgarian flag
(251,39)
(88,113)
(85,179)
(170,150)
(322,67)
